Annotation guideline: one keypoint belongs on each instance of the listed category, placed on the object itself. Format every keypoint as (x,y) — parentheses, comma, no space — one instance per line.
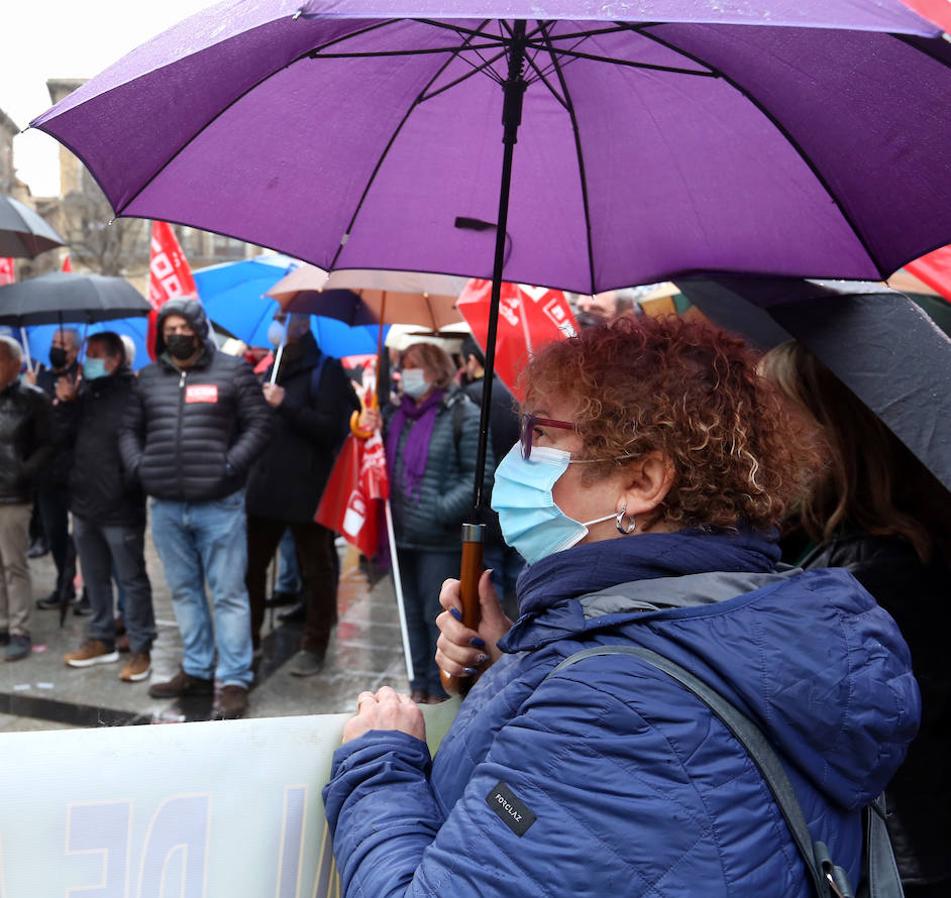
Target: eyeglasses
(530,422)
(528,425)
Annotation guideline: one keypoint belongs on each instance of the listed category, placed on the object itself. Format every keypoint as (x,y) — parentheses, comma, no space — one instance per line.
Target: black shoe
(182,684)
(4,637)
(296,614)
(307,663)
(53,601)
(279,599)
(82,608)
(38,549)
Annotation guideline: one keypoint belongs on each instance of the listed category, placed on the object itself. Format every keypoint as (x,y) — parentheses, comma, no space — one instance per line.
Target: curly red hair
(691,392)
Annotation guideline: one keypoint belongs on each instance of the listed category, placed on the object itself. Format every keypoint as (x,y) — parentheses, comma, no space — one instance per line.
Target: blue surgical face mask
(531,522)
(93,369)
(414,382)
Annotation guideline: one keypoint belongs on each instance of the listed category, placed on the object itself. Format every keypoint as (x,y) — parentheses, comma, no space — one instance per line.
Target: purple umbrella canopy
(658,137)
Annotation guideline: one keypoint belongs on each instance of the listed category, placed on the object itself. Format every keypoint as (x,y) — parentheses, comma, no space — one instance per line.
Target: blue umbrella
(41,336)
(232,294)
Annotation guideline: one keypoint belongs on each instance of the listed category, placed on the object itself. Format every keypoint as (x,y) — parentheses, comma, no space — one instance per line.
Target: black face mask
(58,357)
(181,346)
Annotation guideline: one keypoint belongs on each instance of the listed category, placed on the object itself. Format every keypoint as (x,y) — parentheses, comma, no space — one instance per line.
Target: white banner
(200,810)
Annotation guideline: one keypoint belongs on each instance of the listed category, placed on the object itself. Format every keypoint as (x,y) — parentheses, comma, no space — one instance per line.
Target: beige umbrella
(390,297)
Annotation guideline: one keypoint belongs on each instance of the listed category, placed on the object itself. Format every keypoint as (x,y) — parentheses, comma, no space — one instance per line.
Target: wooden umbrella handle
(473,541)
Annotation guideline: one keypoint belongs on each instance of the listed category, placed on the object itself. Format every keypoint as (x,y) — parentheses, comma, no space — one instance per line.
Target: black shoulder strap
(828,879)
(458,410)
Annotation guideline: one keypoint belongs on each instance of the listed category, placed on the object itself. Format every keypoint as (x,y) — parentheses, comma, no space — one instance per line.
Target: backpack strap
(828,879)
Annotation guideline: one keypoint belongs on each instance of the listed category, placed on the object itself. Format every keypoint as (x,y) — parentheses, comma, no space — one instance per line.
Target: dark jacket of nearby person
(431,517)
(918,597)
(191,435)
(60,462)
(26,443)
(623,781)
(99,489)
(288,478)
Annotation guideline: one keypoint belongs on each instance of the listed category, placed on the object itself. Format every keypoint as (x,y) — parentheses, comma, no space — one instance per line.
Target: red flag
(7,272)
(67,263)
(352,503)
(529,318)
(170,276)
(935,270)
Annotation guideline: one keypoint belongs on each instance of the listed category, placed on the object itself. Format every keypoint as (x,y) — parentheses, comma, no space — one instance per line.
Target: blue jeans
(288,570)
(199,541)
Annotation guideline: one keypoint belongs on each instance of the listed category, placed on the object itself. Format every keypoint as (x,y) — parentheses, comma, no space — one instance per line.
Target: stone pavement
(41,692)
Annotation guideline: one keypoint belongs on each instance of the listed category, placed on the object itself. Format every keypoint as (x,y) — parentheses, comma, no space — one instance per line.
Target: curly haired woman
(654,466)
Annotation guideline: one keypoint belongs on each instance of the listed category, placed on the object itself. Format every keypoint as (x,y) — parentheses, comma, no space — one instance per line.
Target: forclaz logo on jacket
(513,812)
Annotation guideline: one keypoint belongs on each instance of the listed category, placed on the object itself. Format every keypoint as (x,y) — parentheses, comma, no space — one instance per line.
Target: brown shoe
(138,668)
(92,651)
(232,703)
(182,684)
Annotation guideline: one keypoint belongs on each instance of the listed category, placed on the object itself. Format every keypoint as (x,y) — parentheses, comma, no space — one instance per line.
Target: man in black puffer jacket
(313,400)
(196,422)
(108,510)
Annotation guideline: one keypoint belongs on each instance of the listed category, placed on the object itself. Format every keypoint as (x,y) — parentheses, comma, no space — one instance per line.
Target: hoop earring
(625,527)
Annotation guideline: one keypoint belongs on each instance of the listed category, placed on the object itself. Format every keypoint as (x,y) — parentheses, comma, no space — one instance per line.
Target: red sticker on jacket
(201,393)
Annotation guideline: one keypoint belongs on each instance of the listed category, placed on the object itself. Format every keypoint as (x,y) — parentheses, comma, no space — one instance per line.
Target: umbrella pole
(473,535)
(25,340)
(398,588)
(277,363)
(378,402)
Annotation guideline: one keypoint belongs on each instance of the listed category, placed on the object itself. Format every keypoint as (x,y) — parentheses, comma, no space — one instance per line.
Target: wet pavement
(41,692)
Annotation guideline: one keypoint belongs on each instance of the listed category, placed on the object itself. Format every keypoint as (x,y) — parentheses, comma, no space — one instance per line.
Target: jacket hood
(193,312)
(808,655)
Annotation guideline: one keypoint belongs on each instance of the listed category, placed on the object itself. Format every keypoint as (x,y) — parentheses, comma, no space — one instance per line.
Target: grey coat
(431,519)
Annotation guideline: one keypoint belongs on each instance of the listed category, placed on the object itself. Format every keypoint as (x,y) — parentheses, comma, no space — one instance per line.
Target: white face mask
(414,382)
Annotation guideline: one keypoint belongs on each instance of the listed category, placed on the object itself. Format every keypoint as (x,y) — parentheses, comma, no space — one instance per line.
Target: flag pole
(398,588)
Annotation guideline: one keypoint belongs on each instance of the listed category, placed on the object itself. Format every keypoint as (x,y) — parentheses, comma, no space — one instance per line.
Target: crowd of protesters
(228,469)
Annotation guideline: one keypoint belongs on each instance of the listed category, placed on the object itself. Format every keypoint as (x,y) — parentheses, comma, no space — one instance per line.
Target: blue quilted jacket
(608,778)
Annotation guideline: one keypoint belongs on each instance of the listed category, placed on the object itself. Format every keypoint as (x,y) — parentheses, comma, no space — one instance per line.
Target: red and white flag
(529,318)
(935,270)
(170,276)
(353,500)
(7,272)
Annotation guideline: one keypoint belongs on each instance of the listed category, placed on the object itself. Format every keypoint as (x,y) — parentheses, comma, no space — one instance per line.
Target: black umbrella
(878,342)
(23,234)
(62,296)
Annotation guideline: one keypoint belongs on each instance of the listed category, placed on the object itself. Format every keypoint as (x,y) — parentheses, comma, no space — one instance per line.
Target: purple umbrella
(656,137)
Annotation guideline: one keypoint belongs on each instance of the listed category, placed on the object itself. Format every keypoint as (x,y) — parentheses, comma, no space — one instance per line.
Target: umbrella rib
(779,126)
(542,76)
(577,54)
(389,144)
(423,51)
(475,71)
(580,152)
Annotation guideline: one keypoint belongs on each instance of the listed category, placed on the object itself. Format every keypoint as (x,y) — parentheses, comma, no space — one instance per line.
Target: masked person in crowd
(25,448)
(108,510)
(654,466)
(504,561)
(52,487)
(431,442)
(877,512)
(195,423)
(312,400)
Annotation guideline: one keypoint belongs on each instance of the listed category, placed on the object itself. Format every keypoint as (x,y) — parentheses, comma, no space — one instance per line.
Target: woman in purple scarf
(431,440)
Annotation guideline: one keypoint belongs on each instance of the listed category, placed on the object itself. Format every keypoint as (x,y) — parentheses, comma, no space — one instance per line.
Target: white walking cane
(277,361)
(398,588)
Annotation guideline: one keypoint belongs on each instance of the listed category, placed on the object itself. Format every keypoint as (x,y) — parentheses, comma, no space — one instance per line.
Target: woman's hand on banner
(385,709)
(370,420)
